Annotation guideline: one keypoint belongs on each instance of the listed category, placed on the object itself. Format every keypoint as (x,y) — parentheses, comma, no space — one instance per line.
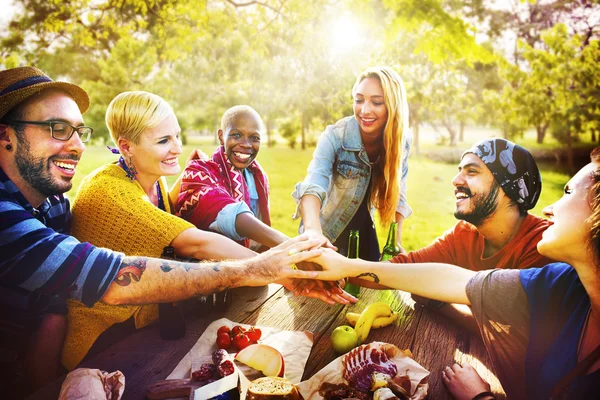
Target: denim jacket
(339,175)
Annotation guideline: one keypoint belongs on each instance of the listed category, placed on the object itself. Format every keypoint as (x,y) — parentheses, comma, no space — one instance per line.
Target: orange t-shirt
(463,245)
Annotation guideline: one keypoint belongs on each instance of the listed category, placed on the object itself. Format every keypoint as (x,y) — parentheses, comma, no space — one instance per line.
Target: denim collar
(352,140)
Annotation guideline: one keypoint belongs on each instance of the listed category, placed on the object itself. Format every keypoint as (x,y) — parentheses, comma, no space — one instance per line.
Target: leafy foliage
(295,60)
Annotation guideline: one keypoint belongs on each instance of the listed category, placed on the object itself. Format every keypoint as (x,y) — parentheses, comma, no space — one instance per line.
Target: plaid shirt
(37,253)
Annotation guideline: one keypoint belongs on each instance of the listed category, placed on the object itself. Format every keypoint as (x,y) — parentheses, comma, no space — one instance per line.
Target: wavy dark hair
(595,205)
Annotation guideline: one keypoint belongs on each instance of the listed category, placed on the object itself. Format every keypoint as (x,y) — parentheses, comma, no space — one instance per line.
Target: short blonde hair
(385,191)
(131,113)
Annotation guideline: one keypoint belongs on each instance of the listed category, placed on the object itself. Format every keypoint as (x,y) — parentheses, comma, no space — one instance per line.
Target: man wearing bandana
(497,183)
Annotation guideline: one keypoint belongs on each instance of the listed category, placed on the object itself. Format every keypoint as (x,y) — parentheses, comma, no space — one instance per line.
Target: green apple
(344,338)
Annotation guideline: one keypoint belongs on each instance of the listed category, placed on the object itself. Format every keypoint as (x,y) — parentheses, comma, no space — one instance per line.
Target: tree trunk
(593,135)
(541,132)
(451,132)
(570,153)
(269,128)
(217,127)
(505,130)
(304,129)
(461,132)
(416,137)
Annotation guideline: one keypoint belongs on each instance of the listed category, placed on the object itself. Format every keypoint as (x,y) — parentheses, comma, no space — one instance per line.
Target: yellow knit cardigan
(113,212)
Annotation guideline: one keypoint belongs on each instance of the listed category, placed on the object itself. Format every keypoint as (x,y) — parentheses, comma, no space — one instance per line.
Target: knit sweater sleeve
(111,211)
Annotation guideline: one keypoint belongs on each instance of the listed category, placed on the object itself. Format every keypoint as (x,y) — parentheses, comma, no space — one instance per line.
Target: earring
(9,147)
(128,167)
(131,171)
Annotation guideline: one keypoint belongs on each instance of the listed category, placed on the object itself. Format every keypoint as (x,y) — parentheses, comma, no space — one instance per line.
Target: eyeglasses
(61,130)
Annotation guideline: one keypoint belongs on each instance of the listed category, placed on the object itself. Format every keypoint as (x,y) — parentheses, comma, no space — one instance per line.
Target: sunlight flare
(346,34)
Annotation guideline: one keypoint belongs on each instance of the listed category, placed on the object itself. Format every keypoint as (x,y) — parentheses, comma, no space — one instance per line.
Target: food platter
(405,366)
(295,348)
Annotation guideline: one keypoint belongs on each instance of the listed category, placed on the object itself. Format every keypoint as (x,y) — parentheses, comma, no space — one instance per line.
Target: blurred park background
(525,70)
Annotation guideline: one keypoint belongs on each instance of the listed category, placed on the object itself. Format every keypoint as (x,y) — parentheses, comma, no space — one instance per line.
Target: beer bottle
(391,247)
(351,288)
(170,315)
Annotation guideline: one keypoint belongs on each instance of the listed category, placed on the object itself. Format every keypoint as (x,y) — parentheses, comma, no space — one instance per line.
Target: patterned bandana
(514,169)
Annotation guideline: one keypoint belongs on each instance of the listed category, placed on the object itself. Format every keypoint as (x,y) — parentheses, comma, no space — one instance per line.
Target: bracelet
(482,395)
(435,304)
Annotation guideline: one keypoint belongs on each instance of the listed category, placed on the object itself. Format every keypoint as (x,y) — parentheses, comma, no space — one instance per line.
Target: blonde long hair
(385,191)
(131,113)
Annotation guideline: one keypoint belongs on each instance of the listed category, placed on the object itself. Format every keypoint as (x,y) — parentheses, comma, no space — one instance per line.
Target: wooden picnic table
(434,340)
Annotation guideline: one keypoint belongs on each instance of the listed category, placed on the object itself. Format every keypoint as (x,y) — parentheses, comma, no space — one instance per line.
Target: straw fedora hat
(18,84)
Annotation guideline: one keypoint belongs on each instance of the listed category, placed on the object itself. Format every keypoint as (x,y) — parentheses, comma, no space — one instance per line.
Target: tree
(564,77)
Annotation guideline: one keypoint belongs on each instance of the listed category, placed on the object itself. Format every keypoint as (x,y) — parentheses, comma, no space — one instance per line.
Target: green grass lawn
(430,192)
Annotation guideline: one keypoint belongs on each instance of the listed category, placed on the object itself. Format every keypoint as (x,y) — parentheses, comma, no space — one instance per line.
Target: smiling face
(241,139)
(158,149)
(369,107)
(45,164)
(567,239)
(477,192)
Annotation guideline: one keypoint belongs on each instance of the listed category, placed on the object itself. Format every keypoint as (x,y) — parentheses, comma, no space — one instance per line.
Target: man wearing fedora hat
(41,141)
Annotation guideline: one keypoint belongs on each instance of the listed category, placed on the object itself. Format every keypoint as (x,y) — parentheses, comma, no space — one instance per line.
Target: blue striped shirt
(38,254)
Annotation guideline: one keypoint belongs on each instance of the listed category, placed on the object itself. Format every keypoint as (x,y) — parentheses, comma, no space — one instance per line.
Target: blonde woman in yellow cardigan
(124,206)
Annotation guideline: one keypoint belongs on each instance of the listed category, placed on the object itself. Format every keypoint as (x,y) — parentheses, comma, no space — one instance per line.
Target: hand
(332,289)
(326,286)
(197,154)
(279,262)
(299,287)
(333,265)
(464,382)
(316,234)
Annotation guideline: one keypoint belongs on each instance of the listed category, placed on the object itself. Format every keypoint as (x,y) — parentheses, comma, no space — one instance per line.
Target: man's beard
(484,206)
(36,171)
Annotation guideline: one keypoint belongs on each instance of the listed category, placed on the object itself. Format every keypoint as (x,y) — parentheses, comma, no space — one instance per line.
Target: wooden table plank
(434,341)
(286,312)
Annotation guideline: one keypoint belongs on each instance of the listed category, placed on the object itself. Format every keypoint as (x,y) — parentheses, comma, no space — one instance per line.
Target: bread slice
(272,388)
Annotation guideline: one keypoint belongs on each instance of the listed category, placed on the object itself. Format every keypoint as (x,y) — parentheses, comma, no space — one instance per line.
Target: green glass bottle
(351,288)
(391,247)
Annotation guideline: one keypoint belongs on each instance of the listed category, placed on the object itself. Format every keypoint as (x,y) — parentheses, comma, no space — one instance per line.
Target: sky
(8,9)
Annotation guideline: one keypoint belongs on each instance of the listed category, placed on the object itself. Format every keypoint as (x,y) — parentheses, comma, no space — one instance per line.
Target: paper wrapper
(333,373)
(85,383)
(294,346)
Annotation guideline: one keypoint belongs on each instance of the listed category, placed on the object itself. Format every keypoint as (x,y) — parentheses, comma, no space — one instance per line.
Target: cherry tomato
(223,329)
(223,340)
(237,330)
(240,341)
(254,334)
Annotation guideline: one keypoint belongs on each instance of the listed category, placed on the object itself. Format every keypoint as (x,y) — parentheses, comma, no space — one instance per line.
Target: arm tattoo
(130,271)
(190,266)
(165,267)
(370,275)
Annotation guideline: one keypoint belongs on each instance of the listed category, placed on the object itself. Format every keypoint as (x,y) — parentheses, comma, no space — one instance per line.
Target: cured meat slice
(362,362)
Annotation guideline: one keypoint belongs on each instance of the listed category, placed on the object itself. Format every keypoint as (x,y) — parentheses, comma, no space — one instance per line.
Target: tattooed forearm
(370,275)
(130,270)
